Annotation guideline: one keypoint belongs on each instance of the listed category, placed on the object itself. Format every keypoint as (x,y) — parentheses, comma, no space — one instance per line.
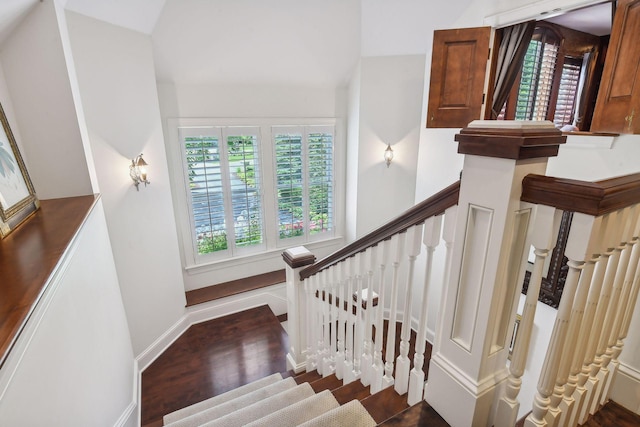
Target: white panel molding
(625,387)
(474,259)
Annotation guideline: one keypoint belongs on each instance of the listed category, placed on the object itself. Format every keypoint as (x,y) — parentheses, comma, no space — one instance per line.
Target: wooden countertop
(28,257)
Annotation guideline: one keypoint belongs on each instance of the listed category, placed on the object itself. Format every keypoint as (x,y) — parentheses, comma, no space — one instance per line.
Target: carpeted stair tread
(260,409)
(299,412)
(351,414)
(221,398)
(235,404)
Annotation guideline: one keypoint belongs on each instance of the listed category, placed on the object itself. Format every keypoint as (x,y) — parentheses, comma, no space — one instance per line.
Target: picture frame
(18,200)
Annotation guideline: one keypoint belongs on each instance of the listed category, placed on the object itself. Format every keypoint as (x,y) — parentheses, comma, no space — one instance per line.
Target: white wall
(390,101)
(73,364)
(117,84)
(38,83)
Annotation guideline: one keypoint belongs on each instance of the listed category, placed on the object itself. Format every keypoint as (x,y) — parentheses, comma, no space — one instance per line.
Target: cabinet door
(617,108)
(458,68)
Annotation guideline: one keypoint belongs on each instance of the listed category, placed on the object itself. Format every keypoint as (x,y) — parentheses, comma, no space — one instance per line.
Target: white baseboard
(274,296)
(625,388)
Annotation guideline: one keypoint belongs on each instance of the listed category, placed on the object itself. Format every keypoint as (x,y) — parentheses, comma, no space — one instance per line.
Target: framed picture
(18,199)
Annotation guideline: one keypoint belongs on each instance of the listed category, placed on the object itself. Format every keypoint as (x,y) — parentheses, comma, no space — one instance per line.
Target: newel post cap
(510,139)
(298,257)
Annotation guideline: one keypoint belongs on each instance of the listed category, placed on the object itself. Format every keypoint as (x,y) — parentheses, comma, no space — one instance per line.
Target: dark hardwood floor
(213,357)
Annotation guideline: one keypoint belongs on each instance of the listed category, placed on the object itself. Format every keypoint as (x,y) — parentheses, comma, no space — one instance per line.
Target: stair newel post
(431,239)
(580,247)
(546,224)
(358,331)
(607,300)
(342,319)
(480,299)
(397,250)
(626,270)
(377,369)
(403,364)
(298,302)
(350,265)
(367,358)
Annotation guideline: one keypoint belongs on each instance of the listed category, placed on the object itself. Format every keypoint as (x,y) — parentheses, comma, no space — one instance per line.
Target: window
(552,78)
(249,189)
(304,174)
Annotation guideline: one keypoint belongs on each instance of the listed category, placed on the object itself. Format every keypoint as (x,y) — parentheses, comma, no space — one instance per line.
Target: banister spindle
(622,290)
(325,352)
(377,369)
(607,300)
(333,331)
(358,327)
(367,358)
(342,320)
(397,251)
(348,348)
(312,347)
(578,249)
(597,303)
(546,224)
(403,364)
(431,239)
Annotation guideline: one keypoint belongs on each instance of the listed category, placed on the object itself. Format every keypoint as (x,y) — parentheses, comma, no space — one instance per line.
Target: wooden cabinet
(458,68)
(618,104)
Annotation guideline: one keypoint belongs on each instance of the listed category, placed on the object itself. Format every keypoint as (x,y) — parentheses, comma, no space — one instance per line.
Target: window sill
(243,260)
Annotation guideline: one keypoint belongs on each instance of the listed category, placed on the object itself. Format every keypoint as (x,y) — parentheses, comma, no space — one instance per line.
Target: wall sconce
(388,155)
(138,172)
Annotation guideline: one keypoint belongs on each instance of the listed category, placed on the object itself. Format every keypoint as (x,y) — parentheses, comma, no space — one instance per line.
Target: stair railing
(340,302)
(600,292)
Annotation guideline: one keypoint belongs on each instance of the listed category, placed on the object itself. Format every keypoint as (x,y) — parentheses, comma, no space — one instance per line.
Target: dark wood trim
(434,205)
(283,317)
(510,143)
(591,198)
(298,261)
(28,257)
(234,287)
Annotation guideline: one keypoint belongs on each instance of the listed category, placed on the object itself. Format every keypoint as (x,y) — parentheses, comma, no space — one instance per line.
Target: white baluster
(396,255)
(348,375)
(577,249)
(596,307)
(377,369)
(358,327)
(626,270)
(608,303)
(312,347)
(333,337)
(342,319)
(367,358)
(326,322)
(546,224)
(403,364)
(431,239)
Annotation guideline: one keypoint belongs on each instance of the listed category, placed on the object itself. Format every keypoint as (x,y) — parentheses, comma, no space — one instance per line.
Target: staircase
(304,400)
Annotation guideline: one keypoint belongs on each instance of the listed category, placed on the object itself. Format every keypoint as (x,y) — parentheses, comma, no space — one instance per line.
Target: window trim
(180,197)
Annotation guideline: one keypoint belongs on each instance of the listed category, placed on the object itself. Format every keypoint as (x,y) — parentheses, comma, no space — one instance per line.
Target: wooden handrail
(591,198)
(432,206)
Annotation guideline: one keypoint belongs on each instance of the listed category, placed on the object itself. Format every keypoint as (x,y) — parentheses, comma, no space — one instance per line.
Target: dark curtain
(586,83)
(515,40)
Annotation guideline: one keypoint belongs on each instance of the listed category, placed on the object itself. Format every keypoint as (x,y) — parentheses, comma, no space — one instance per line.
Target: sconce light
(138,172)
(388,155)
